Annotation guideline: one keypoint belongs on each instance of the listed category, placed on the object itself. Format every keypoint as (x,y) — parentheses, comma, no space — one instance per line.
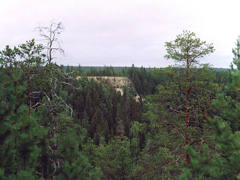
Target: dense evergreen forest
(184,125)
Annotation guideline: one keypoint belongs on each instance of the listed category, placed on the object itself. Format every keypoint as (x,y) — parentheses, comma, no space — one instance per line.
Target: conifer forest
(118,123)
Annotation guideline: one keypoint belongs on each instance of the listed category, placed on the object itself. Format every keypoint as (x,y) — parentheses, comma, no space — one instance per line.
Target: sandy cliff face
(119,83)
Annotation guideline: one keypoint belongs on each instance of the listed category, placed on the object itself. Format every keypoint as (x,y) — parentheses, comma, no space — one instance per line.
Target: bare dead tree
(51,37)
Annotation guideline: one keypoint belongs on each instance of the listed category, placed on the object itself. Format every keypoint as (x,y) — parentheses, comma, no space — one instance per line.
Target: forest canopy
(179,122)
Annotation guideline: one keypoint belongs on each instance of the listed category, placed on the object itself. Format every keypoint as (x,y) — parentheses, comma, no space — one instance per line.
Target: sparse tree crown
(187,47)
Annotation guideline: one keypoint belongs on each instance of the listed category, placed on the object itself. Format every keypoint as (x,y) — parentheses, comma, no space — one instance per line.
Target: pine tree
(123,162)
(219,160)
(134,137)
(120,129)
(75,165)
(85,121)
(19,142)
(31,62)
(185,50)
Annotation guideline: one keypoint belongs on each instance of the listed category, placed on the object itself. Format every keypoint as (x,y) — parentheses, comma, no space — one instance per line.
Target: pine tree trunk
(29,97)
(187,140)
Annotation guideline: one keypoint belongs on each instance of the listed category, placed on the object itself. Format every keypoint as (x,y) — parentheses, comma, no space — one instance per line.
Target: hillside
(119,83)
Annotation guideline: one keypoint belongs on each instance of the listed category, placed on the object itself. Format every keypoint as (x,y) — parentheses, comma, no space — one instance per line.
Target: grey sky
(124,32)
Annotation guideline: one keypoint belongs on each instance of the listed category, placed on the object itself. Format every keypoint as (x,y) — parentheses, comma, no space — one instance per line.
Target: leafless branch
(51,38)
(66,105)
(200,139)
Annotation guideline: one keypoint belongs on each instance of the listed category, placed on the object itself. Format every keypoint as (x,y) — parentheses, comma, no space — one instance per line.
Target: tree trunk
(29,97)
(187,140)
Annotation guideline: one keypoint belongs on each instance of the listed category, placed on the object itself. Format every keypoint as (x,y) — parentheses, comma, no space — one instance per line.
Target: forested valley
(179,122)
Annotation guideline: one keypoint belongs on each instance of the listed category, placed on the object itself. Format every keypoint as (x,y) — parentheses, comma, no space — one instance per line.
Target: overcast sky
(124,32)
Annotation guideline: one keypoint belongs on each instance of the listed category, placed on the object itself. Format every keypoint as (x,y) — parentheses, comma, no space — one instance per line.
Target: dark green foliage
(21,134)
(143,79)
(74,165)
(80,128)
(99,108)
(25,118)
(222,161)
(222,77)
(219,160)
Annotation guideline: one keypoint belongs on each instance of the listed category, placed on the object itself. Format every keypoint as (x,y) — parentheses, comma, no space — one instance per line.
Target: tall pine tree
(219,160)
